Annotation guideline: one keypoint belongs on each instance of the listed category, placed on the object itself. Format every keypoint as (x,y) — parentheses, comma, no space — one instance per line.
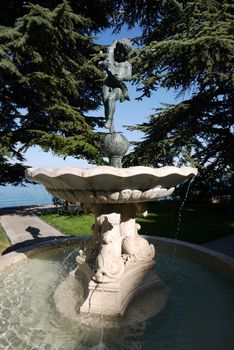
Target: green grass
(200,222)
(3,241)
(71,224)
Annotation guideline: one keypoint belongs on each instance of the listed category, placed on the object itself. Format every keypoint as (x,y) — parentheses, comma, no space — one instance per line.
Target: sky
(128,113)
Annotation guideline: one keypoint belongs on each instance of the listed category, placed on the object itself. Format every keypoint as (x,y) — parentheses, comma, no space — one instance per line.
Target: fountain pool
(199,313)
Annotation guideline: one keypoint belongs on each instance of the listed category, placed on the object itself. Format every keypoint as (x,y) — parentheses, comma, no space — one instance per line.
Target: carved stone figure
(110,265)
(134,247)
(118,70)
(137,247)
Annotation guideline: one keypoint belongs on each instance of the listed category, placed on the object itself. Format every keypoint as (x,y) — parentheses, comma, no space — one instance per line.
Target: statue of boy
(118,69)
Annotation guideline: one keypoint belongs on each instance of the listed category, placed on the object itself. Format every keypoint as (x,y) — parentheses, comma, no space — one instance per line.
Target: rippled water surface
(199,313)
(14,196)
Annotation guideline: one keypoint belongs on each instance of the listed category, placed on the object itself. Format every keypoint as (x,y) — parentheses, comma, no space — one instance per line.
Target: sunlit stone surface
(106,184)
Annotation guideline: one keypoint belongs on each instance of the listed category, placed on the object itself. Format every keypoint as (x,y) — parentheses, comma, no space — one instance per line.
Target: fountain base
(139,295)
(113,298)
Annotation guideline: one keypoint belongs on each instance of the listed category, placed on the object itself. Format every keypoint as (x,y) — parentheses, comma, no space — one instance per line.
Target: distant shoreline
(24,196)
(28,209)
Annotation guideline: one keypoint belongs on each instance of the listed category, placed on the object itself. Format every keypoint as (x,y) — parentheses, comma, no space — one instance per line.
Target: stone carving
(110,266)
(106,184)
(119,240)
(118,70)
(115,147)
(116,234)
(90,248)
(135,247)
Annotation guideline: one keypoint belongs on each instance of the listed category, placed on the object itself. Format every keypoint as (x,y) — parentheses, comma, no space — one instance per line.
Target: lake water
(14,196)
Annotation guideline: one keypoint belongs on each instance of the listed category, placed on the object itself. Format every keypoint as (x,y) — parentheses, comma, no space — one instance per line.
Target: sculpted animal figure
(136,246)
(110,265)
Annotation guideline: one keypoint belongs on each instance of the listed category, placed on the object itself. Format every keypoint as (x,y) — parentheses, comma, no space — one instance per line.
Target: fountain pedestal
(115,259)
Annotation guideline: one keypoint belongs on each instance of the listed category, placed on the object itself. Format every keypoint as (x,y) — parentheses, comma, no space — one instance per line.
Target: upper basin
(105,184)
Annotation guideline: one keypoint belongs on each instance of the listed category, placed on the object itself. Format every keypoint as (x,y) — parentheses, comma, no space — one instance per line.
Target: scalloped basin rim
(118,172)
(107,184)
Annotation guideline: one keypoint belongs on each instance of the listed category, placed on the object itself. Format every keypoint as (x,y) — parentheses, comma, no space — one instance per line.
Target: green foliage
(11,172)
(98,11)
(187,46)
(49,81)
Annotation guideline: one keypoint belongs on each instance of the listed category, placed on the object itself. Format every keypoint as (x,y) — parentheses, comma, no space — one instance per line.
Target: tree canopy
(98,11)
(49,81)
(187,46)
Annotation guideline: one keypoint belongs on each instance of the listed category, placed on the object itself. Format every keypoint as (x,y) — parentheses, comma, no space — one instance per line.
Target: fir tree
(49,81)
(187,46)
(98,11)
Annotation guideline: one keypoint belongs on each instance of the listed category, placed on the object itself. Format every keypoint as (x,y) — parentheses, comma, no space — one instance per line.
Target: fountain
(103,292)
(115,264)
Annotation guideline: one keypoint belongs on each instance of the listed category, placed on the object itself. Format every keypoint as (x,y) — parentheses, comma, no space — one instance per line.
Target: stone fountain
(116,264)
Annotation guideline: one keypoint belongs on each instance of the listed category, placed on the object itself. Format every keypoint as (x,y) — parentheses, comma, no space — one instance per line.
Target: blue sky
(127,113)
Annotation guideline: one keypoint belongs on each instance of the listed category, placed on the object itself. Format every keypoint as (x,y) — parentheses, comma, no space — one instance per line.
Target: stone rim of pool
(214,260)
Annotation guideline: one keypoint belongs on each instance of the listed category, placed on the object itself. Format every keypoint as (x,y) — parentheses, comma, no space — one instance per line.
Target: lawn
(3,241)
(198,223)
(75,225)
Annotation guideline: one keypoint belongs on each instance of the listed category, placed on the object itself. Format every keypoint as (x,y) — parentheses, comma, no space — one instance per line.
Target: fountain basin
(199,312)
(107,184)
